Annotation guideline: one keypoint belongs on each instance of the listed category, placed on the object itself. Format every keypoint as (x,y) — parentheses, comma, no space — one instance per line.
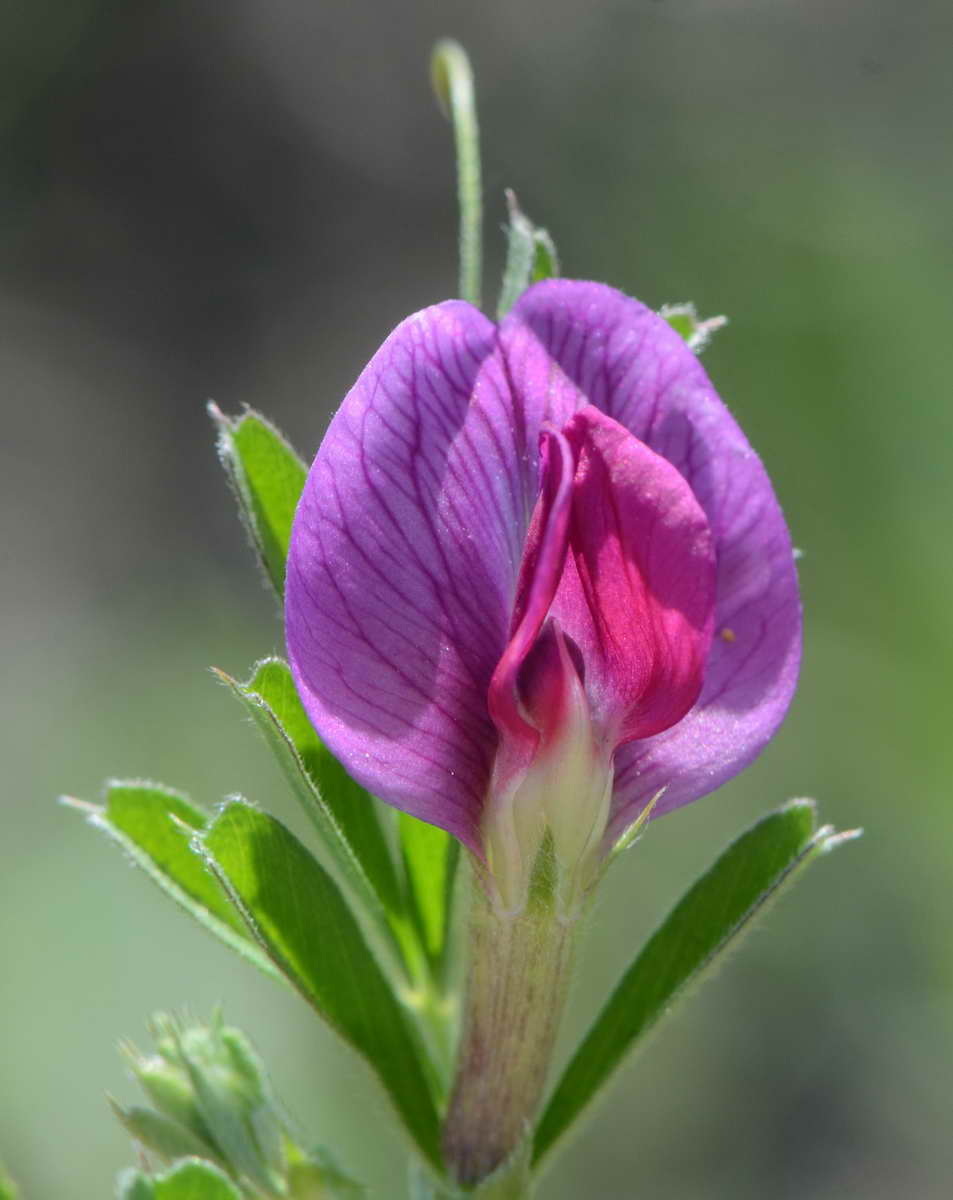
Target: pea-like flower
(539,579)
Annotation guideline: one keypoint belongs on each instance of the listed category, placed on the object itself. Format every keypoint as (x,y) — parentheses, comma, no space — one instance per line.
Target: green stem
(452,79)
(516,989)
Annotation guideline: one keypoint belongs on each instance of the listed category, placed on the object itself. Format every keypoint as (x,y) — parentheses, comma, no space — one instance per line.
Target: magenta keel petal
(639,601)
(614,353)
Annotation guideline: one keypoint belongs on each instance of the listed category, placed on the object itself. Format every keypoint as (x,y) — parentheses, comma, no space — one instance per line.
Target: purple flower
(538,576)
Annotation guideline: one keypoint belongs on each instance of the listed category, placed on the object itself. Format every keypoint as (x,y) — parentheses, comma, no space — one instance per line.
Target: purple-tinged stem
(516,990)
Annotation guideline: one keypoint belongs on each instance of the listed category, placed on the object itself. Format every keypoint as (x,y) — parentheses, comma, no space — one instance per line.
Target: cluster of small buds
(214,1115)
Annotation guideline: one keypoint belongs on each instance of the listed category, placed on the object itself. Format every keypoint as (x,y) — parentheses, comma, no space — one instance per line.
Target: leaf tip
(828,838)
(802,804)
(632,833)
(84,806)
(515,213)
(216,414)
(224,677)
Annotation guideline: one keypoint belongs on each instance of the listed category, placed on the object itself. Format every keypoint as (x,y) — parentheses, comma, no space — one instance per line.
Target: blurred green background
(239,202)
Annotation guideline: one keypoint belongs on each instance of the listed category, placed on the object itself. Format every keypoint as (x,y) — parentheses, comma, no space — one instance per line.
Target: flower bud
(212,1098)
(170,1090)
(214,1107)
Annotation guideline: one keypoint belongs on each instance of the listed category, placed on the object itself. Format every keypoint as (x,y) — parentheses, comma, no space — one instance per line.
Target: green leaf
(194,1179)
(342,813)
(711,915)
(545,258)
(684,319)
(298,914)
(530,257)
(133,1185)
(267,478)
(154,826)
(430,862)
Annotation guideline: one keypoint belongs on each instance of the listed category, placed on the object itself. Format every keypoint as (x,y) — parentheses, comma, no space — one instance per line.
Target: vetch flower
(538,578)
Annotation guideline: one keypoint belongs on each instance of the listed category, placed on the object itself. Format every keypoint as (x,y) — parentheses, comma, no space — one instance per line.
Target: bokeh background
(239,201)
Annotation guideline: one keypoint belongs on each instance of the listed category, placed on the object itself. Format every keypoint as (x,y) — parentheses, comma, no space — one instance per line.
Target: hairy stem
(516,989)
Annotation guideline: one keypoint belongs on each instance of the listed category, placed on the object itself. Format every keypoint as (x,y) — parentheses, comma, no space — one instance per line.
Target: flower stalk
(452,78)
(516,989)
